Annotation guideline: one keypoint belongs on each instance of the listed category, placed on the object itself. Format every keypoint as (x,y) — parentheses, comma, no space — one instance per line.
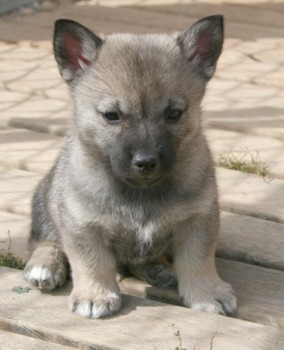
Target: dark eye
(112,116)
(173,115)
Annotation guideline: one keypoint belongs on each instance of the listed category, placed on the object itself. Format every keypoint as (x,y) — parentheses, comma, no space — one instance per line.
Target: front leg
(199,285)
(95,291)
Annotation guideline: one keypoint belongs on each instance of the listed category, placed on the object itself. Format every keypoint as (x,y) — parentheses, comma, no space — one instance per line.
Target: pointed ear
(202,44)
(75,47)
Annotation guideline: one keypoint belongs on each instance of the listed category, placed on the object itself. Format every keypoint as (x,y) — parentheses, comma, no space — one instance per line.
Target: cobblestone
(29,150)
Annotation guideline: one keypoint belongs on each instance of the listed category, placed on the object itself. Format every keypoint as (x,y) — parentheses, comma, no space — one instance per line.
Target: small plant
(236,161)
(177,334)
(8,259)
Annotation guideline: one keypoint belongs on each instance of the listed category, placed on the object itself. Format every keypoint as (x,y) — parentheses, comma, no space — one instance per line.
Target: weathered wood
(242,238)
(240,13)
(7,6)
(141,324)
(13,341)
(251,240)
(260,291)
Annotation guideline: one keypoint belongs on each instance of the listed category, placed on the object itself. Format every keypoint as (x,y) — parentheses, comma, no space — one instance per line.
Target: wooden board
(141,324)
(240,13)
(251,240)
(13,341)
(260,291)
(242,238)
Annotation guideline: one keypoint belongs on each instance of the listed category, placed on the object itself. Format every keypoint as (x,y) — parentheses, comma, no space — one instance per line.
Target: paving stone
(256,47)
(251,195)
(24,52)
(14,235)
(36,79)
(6,47)
(60,93)
(242,92)
(16,190)
(11,97)
(10,71)
(35,108)
(272,55)
(56,126)
(245,107)
(247,148)
(274,78)
(28,150)
(262,121)
(247,71)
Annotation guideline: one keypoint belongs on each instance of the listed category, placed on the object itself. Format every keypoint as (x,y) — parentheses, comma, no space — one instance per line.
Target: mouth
(144,182)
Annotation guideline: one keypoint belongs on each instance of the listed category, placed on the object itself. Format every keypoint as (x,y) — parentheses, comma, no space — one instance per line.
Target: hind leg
(47,266)
(158,274)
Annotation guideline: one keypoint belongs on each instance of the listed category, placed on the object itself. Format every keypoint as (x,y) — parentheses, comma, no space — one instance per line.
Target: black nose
(144,163)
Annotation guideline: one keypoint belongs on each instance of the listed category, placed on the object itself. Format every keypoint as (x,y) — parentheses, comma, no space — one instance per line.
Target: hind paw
(45,277)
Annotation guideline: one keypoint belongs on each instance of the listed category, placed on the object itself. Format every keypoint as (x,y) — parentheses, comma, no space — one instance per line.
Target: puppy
(135,179)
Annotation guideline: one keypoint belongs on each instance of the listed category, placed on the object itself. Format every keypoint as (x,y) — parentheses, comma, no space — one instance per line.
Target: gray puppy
(135,179)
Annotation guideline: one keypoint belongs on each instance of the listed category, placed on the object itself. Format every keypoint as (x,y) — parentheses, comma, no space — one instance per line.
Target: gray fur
(99,206)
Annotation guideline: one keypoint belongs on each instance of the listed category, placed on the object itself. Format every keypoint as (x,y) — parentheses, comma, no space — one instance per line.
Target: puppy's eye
(173,115)
(112,116)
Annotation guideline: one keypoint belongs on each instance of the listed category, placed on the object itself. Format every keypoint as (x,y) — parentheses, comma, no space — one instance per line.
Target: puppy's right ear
(75,47)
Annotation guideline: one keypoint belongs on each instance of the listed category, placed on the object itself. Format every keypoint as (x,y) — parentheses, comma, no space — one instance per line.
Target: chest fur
(138,245)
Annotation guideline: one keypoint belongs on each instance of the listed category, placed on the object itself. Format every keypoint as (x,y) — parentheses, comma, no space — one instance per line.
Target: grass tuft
(236,161)
(8,260)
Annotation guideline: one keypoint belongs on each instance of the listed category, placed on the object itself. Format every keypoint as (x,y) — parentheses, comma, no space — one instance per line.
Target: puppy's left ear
(202,43)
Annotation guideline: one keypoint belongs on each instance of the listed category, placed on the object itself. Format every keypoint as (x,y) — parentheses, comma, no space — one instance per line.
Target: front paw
(209,294)
(95,305)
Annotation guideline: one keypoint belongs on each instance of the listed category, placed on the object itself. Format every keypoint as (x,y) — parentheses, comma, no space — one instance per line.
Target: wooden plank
(251,240)
(239,13)
(242,238)
(260,291)
(7,6)
(141,324)
(23,28)
(155,18)
(13,341)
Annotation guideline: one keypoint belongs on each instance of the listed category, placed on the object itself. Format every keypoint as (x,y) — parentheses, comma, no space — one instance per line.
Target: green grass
(236,161)
(8,260)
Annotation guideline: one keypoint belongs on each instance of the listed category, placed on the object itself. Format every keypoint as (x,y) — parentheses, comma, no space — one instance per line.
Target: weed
(235,160)
(8,260)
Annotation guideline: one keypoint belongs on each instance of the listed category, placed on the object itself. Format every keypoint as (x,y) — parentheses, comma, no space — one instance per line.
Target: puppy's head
(137,97)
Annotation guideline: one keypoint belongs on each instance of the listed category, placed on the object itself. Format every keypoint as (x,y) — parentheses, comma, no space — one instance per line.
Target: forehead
(135,68)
